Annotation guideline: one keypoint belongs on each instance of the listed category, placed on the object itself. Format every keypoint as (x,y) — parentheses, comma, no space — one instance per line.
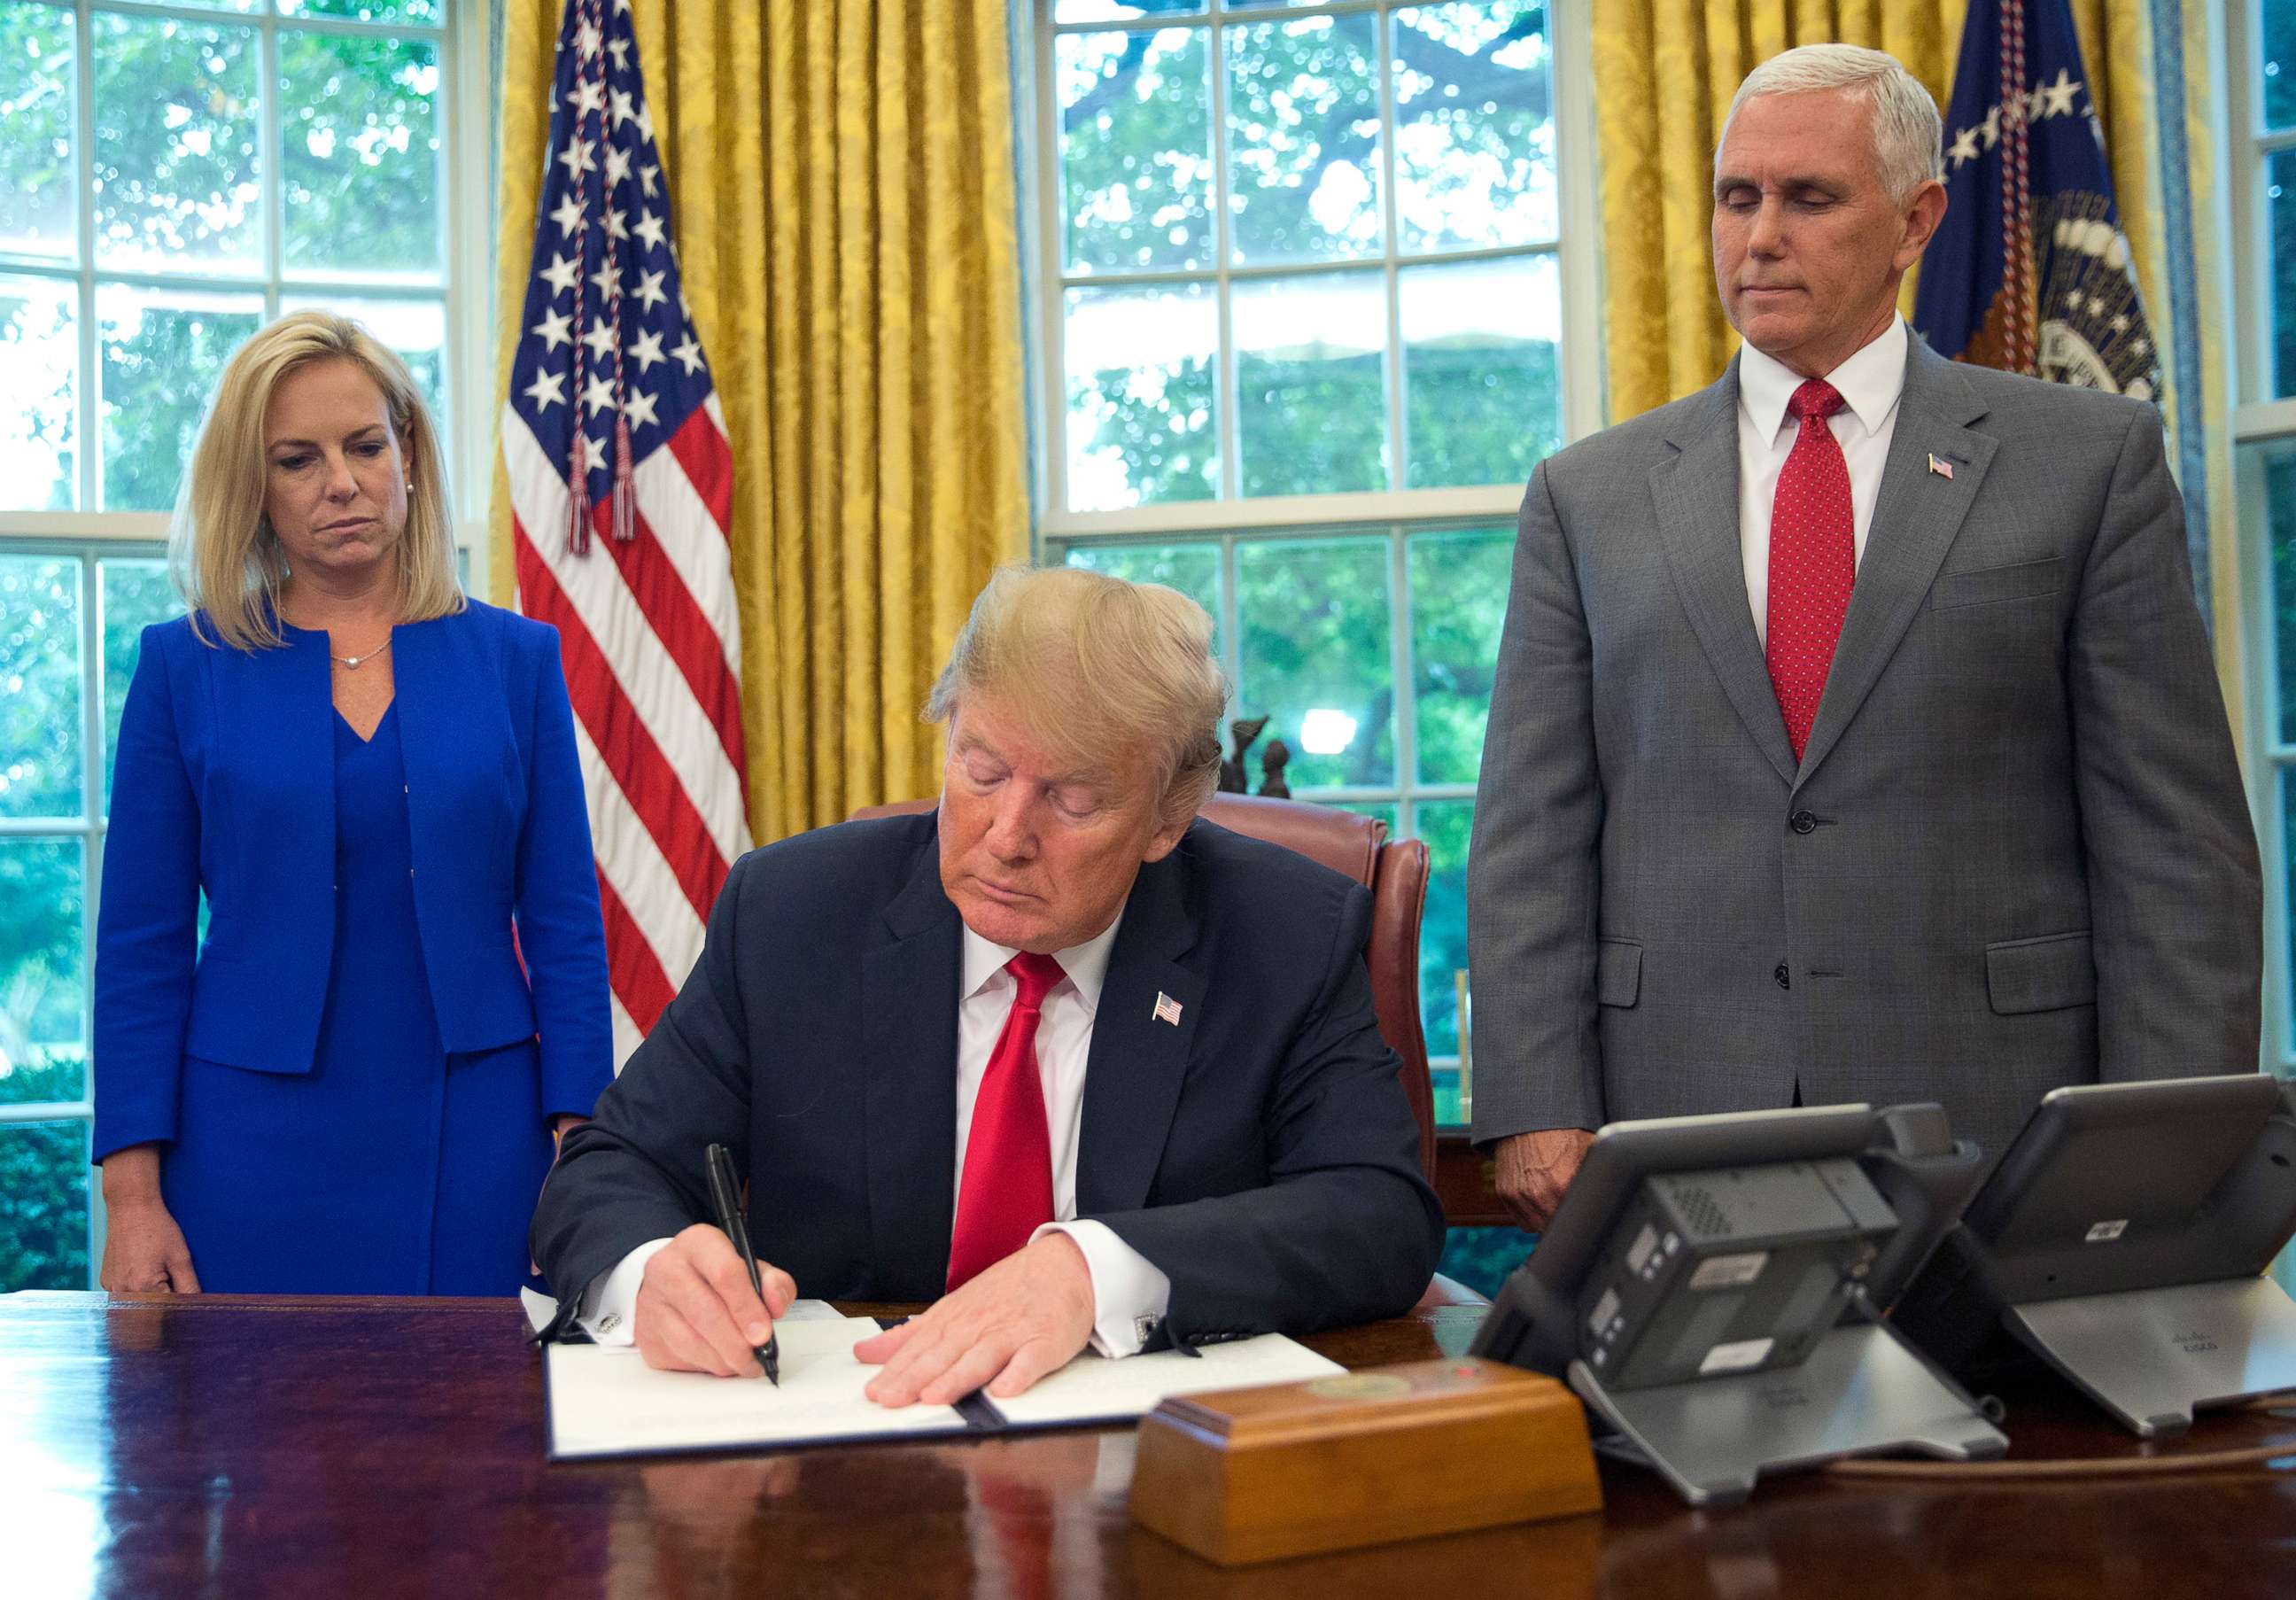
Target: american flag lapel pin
(1942,468)
(1168,1009)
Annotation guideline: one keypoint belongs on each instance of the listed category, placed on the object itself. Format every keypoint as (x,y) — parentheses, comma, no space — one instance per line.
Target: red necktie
(1813,560)
(1006,1193)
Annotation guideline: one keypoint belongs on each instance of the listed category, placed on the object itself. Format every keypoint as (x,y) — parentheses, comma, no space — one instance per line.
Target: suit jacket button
(1802,822)
(1783,978)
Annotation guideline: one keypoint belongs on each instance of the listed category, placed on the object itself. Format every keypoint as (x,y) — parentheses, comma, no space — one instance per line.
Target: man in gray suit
(1854,736)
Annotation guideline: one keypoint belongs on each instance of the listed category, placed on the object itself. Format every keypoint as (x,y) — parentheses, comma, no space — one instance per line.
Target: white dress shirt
(1129,1295)
(1871,383)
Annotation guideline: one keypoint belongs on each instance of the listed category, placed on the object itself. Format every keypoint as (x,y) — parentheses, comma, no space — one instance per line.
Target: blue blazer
(1260,1152)
(224,782)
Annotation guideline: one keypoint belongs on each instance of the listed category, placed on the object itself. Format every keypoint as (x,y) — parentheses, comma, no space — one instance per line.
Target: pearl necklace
(356,662)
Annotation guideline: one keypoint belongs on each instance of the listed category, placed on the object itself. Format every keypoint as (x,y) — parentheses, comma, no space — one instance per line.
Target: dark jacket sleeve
(147,929)
(1347,1229)
(634,1172)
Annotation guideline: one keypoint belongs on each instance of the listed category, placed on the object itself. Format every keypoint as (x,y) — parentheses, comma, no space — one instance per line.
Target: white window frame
(1396,514)
(2257,418)
(466,107)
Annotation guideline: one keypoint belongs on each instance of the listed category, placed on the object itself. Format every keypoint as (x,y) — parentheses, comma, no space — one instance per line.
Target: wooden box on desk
(1401,1452)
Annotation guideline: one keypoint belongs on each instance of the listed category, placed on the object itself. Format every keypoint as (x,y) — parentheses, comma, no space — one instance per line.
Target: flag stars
(601,340)
(1965,146)
(646,123)
(587,37)
(688,354)
(618,166)
(2120,324)
(548,389)
(597,394)
(621,99)
(645,350)
(619,49)
(577,159)
(638,409)
(605,282)
(2060,94)
(614,228)
(567,215)
(589,95)
(649,228)
(553,330)
(650,290)
(646,175)
(561,274)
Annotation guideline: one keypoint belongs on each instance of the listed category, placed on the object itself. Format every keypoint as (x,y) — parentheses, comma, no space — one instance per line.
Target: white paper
(1094,1388)
(605,1400)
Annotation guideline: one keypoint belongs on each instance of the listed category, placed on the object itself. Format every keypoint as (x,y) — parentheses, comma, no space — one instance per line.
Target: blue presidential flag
(2031,271)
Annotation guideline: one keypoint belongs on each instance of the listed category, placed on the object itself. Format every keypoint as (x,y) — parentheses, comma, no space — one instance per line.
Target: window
(171,177)
(1303,275)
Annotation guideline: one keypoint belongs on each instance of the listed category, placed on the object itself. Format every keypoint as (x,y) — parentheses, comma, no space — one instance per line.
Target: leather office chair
(1395,871)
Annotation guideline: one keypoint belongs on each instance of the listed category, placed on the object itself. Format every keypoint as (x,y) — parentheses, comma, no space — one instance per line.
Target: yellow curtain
(1664,72)
(840,175)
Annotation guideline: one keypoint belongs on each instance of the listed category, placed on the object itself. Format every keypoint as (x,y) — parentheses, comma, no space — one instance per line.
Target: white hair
(1908,134)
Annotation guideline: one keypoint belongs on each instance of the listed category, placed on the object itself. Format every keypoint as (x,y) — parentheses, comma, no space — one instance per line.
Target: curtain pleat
(840,174)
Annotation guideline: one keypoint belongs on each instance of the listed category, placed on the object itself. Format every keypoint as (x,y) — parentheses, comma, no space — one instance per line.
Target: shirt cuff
(609,1306)
(1128,1294)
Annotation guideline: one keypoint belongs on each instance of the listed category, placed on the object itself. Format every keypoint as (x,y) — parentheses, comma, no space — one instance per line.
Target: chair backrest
(1395,871)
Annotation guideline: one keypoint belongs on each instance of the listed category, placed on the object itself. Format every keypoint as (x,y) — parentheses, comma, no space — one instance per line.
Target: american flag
(621,485)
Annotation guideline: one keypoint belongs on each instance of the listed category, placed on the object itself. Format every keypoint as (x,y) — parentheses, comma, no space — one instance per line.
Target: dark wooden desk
(252,1448)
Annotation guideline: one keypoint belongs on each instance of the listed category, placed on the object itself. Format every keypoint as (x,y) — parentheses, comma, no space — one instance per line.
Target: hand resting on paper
(695,1312)
(1011,1324)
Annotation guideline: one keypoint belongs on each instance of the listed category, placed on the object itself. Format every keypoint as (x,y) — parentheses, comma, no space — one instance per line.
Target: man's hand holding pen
(696,1311)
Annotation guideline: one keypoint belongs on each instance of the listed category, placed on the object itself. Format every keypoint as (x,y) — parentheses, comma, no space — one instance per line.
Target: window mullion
(1228,390)
(83,398)
(91,855)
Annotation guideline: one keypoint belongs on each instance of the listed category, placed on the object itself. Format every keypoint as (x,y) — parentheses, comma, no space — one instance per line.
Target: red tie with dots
(1006,1193)
(1813,560)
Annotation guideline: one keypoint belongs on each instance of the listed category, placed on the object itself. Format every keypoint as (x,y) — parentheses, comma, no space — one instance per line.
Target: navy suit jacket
(1261,1152)
(225,783)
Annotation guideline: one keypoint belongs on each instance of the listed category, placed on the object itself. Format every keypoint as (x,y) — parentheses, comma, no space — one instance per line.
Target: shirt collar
(1870,382)
(1086,965)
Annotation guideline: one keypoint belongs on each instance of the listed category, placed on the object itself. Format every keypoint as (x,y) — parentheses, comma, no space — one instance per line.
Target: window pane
(1311,384)
(2280,191)
(1111,11)
(416,329)
(368,11)
(1303,139)
(37,179)
(39,427)
(1445,826)
(1135,149)
(1483,384)
(2279,62)
(164,351)
(1383,810)
(40,687)
(136,594)
(1192,569)
(1142,369)
(1475,134)
(1314,656)
(359,159)
(42,1037)
(44,1174)
(1458,602)
(2288,824)
(176,172)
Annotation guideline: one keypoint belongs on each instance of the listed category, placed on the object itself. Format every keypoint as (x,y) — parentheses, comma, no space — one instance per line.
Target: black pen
(724,1191)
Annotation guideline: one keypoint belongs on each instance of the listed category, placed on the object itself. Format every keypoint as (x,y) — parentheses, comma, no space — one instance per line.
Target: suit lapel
(908,1048)
(1915,521)
(1696,493)
(1138,1060)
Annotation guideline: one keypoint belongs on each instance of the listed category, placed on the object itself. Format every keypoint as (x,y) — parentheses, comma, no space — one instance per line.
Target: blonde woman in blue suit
(353,1084)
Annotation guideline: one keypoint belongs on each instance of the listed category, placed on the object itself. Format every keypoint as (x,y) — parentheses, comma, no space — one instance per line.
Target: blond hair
(1093,667)
(1908,136)
(222,555)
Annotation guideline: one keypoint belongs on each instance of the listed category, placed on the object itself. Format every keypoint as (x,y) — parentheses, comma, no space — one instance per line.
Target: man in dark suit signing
(1855,734)
(1061,1057)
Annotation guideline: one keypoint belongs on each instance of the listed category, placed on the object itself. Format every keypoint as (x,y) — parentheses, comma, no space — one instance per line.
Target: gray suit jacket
(2015,854)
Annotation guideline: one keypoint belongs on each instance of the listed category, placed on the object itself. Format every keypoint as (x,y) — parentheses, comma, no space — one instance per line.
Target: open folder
(605,1400)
